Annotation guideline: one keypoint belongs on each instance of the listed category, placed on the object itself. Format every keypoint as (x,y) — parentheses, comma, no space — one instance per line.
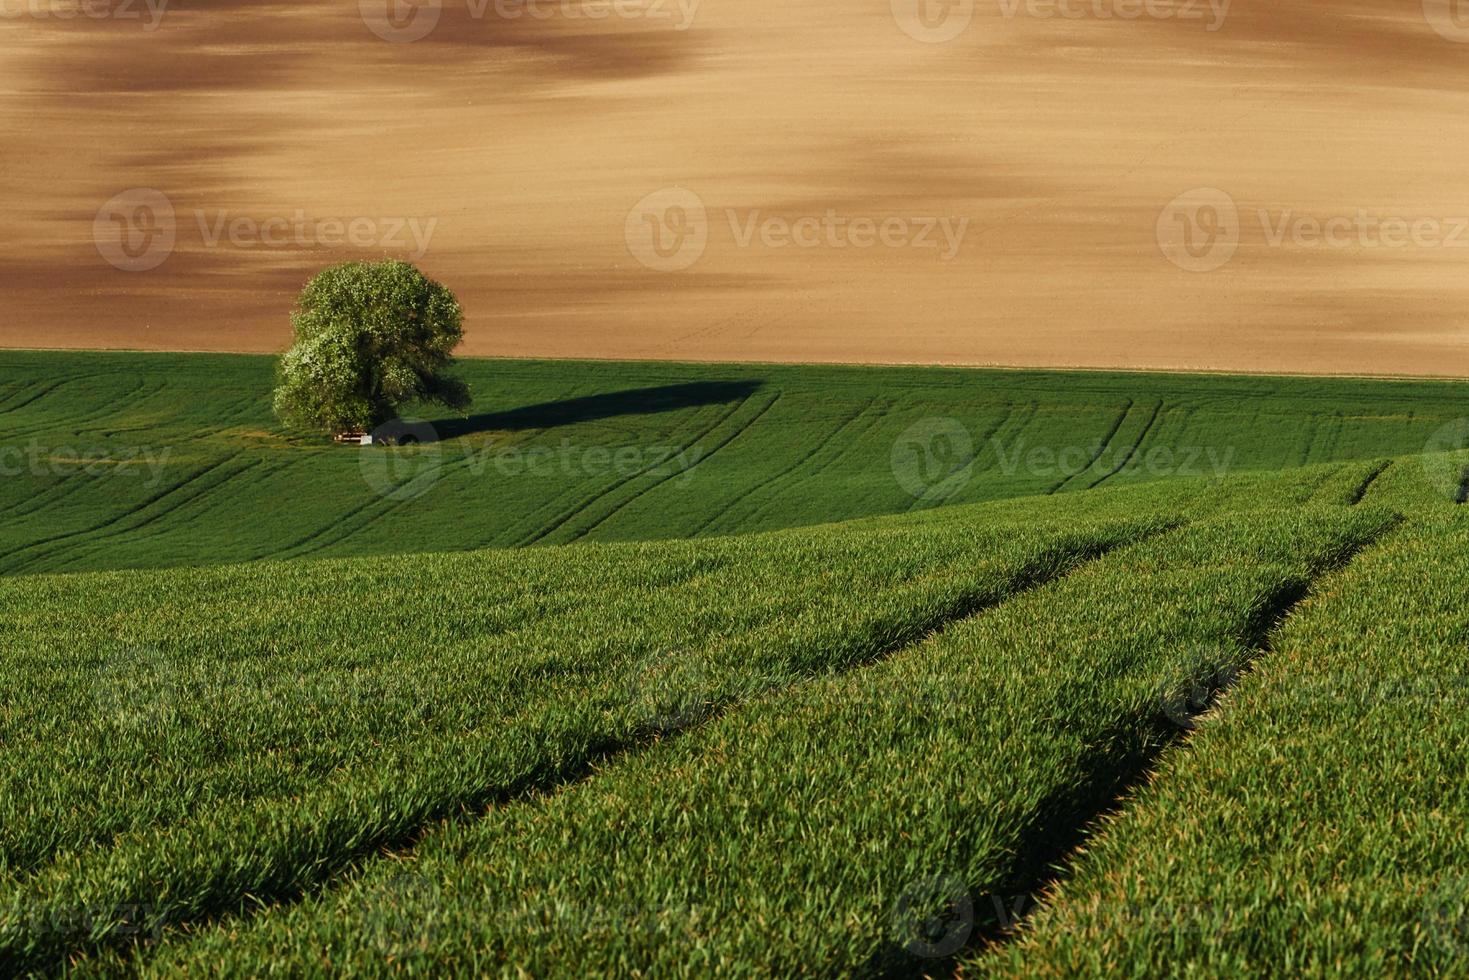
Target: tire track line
(1106,441)
(396,840)
(527,537)
(129,512)
(150,527)
(1366,484)
(774,480)
(921,503)
(1057,852)
(670,474)
(537,536)
(1141,437)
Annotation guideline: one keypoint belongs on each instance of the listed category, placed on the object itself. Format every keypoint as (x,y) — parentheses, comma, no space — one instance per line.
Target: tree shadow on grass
(591,408)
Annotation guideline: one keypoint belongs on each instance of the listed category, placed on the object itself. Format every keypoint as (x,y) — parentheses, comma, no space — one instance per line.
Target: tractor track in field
(63,488)
(370,511)
(987,437)
(150,528)
(1047,852)
(922,503)
(775,480)
(1102,445)
(97,412)
(1013,419)
(541,532)
(113,532)
(1132,450)
(1360,492)
(51,424)
(6,408)
(143,505)
(865,423)
(754,419)
(567,517)
(554,502)
(328,871)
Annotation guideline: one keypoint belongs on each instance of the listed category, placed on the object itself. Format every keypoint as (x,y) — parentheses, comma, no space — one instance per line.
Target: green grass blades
(191,743)
(829,827)
(1315,825)
(116,460)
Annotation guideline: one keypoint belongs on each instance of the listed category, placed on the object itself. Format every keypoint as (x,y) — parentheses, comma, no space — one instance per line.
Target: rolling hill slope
(682,755)
(141,460)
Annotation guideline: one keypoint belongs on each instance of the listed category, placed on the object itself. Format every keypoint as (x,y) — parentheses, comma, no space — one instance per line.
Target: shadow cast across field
(592,408)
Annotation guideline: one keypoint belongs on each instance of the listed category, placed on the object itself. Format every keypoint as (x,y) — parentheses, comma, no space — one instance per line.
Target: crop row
(1316,826)
(177,745)
(866,821)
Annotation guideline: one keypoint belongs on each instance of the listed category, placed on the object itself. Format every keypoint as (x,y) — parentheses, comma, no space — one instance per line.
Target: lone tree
(370,337)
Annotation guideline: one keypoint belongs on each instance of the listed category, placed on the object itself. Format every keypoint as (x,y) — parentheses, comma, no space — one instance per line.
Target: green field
(148,460)
(842,696)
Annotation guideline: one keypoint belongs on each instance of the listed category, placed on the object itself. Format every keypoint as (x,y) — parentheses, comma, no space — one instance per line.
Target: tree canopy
(371,337)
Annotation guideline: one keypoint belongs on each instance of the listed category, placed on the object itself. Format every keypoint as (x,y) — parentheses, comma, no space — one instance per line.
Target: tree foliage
(371,337)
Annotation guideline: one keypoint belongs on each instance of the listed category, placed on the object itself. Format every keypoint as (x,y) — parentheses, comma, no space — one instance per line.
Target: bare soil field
(1268,185)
